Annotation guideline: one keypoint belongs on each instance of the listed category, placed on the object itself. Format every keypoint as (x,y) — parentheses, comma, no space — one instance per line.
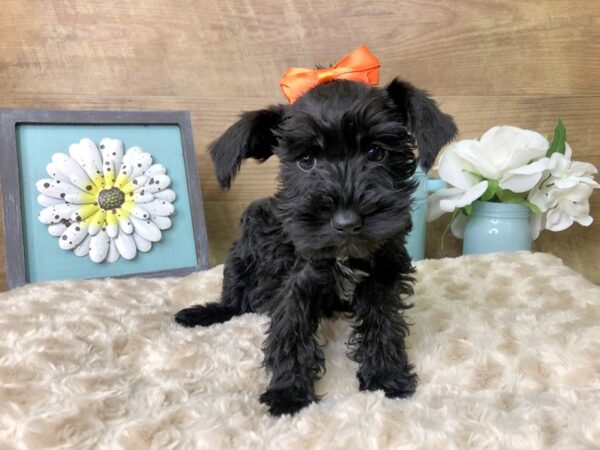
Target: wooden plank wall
(486,62)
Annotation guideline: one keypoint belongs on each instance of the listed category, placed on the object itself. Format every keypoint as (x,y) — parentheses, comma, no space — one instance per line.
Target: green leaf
(532,207)
(455,214)
(491,191)
(511,197)
(508,196)
(560,137)
(467,210)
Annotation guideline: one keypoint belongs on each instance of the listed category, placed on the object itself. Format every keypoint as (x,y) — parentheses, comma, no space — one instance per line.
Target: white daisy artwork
(104,202)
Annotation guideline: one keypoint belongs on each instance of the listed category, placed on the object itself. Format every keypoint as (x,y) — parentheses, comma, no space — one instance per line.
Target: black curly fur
(291,263)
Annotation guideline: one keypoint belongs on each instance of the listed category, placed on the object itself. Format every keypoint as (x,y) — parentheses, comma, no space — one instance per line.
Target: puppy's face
(346,161)
(347,154)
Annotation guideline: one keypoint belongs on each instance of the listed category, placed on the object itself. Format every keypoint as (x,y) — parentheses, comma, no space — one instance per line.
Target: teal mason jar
(497,227)
(415,242)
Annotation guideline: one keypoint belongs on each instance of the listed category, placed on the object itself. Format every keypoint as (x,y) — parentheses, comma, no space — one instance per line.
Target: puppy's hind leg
(233,302)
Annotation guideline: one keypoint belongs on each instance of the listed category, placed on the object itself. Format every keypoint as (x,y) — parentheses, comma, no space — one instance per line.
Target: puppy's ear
(250,137)
(432,128)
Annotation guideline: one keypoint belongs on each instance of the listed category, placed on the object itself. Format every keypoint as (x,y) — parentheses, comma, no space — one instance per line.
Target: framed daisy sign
(92,194)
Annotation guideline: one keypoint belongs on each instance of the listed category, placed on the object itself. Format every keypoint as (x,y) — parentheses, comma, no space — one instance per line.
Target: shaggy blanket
(506,348)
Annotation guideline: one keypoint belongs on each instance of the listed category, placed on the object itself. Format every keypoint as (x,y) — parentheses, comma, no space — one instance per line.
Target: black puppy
(332,237)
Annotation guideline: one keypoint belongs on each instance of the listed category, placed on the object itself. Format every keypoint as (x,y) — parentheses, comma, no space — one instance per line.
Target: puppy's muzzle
(347,222)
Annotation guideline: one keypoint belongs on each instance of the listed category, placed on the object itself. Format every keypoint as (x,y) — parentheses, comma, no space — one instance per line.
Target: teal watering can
(415,243)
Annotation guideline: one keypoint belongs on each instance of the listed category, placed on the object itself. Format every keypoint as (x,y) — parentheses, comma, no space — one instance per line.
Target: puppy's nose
(347,222)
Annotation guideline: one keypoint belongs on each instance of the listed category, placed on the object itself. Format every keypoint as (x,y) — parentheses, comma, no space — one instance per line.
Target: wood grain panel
(486,62)
(181,47)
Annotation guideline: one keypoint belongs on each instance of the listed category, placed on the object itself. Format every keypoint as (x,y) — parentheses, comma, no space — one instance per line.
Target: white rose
(503,153)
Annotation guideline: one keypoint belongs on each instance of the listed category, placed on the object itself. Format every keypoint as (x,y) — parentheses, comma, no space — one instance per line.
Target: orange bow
(360,65)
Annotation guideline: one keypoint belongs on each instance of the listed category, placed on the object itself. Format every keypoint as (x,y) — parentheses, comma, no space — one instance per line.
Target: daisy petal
(140,163)
(128,188)
(84,212)
(159,208)
(97,222)
(108,170)
(143,245)
(142,196)
(73,170)
(127,207)
(52,170)
(146,229)
(126,245)
(139,182)
(124,174)
(84,247)
(68,192)
(56,213)
(132,152)
(127,169)
(44,200)
(156,169)
(112,152)
(79,199)
(162,222)
(56,229)
(99,247)
(167,195)
(73,235)
(113,252)
(140,213)
(87,155)
(125,224)
(112,224)
(157,183)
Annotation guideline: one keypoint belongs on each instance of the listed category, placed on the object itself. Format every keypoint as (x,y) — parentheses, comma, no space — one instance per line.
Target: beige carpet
(506,347)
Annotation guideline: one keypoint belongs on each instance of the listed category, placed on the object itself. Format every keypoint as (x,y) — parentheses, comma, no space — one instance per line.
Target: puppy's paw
(204,315)
(286,400)
(400,385)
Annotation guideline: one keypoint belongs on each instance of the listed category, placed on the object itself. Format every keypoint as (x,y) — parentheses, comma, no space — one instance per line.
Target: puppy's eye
(375,153)
(307,162)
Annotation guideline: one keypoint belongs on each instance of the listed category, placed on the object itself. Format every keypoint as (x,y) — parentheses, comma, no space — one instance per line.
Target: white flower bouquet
(512,165)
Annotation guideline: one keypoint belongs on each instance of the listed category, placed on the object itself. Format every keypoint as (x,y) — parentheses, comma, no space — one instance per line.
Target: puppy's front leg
(378,338)
(292,353)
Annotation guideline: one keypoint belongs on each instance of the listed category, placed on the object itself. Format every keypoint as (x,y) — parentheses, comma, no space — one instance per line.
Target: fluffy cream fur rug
(506,347)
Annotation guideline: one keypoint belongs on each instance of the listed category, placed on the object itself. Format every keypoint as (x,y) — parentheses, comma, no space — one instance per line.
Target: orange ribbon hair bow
(360,65)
